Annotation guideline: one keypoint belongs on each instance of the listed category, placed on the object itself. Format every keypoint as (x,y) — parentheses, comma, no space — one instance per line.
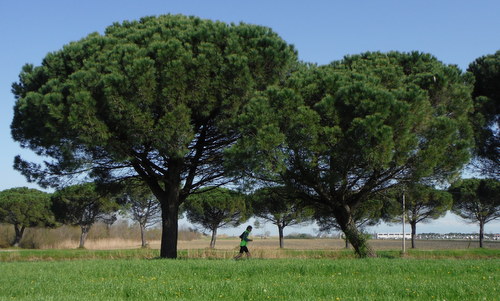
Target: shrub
(299,236)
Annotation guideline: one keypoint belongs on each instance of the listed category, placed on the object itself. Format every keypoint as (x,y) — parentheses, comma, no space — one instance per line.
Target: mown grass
(254,279)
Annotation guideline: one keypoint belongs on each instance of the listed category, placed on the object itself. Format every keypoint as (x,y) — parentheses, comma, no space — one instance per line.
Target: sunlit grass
(254,279)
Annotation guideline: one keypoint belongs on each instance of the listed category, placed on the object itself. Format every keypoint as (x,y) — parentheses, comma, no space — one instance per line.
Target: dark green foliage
(486,95)
(155,98)
(217,208)
(280,207)
(25,207)
(83,205)
(340,134)
(477,200)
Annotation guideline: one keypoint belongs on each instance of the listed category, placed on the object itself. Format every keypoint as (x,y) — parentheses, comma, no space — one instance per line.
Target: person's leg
(247,252)
(239,254)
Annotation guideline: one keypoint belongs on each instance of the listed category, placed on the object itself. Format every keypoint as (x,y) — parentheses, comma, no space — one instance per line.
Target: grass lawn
(69,277)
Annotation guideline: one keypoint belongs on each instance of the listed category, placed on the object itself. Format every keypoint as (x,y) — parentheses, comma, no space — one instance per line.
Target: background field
(123,236)
(273,243)
(335,244)
(260,249)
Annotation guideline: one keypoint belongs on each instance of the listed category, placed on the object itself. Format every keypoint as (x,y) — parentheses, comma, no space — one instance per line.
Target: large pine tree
(338,135)
(154,99)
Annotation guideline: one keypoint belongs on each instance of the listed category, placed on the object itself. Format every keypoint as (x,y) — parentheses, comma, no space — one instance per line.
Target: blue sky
(455,31)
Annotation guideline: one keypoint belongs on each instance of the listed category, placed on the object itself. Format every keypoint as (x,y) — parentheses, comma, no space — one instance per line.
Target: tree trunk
(143,235)
(214,237)
(19,235)
(413,233)
(167,191)
(358,241)
(280,231)
(169,231)
(346,243)
(170,202)
(481,233)
(353,235)
(83,235)
(169,218)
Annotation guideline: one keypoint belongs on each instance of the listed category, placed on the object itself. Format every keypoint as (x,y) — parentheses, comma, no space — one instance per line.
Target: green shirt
(244,238)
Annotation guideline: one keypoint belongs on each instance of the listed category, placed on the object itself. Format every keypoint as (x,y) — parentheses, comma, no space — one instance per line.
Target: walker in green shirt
(244,238)
(244,242)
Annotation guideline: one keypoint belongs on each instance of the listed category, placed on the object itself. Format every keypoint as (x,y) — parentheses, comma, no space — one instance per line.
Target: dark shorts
(244,249)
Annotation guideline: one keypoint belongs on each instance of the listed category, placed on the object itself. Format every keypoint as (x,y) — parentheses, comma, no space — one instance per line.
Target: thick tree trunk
(169,231)
(281,237)
(481,233)
(168,194)
(143,236)
(83,236)
(413,234)
(18,236)
(358,241)
(214,237)
(169,217)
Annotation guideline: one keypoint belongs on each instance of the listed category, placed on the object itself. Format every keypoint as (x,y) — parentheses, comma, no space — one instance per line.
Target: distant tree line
(189,107)
(84,205)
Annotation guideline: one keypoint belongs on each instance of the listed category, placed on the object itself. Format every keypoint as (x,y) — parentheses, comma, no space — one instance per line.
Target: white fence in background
(393,235)
(459,236)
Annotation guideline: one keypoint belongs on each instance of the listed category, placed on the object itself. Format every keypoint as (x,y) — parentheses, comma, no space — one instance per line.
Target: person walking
(244,243)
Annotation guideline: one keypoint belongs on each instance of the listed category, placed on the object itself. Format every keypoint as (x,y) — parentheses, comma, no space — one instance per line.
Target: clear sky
(455,31)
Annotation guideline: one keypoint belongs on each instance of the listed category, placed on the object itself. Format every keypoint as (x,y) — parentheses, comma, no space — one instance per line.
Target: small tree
(477,200)
(216,208)
(25,207)
(141,206)
(280,207)
(422,204)
(83,205)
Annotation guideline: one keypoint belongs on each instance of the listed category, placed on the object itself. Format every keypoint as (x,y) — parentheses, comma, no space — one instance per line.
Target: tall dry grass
(120,235)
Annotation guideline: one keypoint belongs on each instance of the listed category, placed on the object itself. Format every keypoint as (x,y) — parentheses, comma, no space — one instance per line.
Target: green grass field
(92,275)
